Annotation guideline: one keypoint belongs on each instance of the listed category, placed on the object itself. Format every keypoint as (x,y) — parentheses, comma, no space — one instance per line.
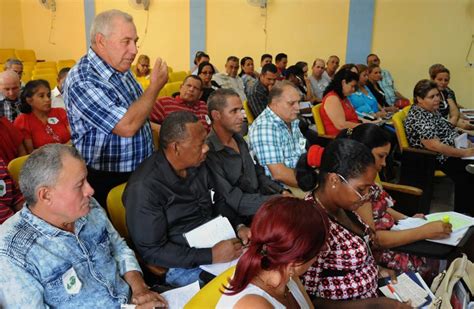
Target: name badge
(53,120)
(3,187)
(212,192)
(303,144)
(208,120)
(71,281)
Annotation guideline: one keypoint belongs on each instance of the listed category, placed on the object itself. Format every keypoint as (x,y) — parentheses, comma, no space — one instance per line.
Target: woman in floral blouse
(427,128)
(381,217)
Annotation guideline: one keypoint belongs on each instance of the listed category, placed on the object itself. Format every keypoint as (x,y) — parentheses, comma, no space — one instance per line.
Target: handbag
(443,284)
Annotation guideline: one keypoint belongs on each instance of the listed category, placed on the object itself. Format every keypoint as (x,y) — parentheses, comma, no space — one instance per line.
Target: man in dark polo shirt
(170,194)
(241,181)
(257,95)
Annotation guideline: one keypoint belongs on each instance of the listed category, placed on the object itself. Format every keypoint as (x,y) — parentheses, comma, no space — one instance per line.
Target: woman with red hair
(287,234)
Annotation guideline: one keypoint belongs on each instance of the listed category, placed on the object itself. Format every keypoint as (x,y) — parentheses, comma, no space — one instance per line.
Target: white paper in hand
(210,233)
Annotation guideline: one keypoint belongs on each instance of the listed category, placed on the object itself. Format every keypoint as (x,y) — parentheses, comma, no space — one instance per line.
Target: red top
(54,131)
(349,113)
(10,195)
(10,138)
(165,106)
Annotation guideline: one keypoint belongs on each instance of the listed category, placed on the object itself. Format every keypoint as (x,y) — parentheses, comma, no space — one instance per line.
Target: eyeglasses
(364,197)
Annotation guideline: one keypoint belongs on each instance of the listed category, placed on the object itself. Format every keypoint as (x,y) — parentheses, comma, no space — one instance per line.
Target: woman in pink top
(337,113)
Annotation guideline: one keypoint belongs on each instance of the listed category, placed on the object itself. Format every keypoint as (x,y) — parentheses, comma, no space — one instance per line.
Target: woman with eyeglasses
(379,215)
(205,72)
(426,128)
(347,269)
(39,122)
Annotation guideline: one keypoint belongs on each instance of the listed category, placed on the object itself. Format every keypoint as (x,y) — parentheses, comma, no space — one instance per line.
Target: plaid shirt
(271,141)
(96,98)
(8,108)
(388,87)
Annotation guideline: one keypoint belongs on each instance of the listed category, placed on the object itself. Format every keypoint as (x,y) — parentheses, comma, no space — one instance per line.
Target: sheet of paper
(219,268)
(457,220)
(408,290)
(210,233)
(453,239)
(460,222)
(179,297)
(461,142)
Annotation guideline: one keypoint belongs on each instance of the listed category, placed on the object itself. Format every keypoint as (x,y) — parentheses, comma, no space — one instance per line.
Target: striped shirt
(10,195)
(96,98)
(167,105)
(272,142)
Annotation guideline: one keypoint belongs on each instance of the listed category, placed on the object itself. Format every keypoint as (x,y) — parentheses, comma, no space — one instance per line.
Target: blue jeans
(178,277)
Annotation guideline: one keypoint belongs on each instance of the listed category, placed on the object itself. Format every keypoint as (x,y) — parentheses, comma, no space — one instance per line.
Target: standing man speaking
(107,109)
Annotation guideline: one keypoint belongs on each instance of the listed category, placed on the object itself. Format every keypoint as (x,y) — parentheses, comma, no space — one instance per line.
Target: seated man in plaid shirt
(107,109)
(275,137)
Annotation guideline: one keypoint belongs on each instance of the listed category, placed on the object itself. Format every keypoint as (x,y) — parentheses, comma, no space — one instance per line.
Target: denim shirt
(35,258)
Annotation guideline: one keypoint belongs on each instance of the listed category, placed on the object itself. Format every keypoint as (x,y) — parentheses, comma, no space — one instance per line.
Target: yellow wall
(303,29)
(168,29)
(11,33)
(67,36)
(409,36)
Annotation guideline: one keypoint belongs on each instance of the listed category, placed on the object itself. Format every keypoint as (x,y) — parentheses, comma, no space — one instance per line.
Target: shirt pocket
(55,293)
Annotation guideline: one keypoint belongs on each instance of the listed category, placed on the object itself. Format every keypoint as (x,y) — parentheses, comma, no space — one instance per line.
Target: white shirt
(57,98)
(235,83)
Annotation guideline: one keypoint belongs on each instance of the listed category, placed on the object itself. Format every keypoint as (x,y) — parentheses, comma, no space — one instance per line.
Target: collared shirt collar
(46,228)
(216,143)
(169,175)
(105,69)
(277,118)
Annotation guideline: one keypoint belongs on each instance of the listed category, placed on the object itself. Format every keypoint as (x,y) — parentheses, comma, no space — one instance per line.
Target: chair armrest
(419,150)
(402,188)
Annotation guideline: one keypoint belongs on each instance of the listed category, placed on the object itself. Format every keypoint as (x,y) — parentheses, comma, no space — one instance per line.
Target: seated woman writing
(39,123)
(346,269)
(426,128)
(381,217)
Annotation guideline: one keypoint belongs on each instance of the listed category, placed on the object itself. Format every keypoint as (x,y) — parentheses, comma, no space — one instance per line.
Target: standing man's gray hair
(103,23)
(42,169)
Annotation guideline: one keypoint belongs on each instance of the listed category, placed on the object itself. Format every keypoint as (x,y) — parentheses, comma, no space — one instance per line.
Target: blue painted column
(89,14)
(197,28)
(359,34)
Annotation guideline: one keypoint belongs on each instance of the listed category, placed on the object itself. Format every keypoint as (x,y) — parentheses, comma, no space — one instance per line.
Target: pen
(392,290)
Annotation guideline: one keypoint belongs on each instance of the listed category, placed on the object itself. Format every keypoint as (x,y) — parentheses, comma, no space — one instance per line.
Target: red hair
(284,230)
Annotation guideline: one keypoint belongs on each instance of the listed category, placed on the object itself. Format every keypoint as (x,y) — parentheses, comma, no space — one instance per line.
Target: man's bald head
(10,85)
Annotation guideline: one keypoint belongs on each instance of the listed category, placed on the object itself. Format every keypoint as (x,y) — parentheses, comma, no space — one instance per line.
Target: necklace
(270,290)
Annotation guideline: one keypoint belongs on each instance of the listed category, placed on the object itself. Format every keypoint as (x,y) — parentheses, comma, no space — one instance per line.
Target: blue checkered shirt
(96,98)
(272,142)
(388,86)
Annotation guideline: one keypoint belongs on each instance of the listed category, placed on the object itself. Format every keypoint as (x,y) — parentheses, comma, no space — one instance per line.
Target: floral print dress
(398,261)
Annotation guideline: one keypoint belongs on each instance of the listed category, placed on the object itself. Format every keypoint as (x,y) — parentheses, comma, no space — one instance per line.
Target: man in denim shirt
(60,250)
